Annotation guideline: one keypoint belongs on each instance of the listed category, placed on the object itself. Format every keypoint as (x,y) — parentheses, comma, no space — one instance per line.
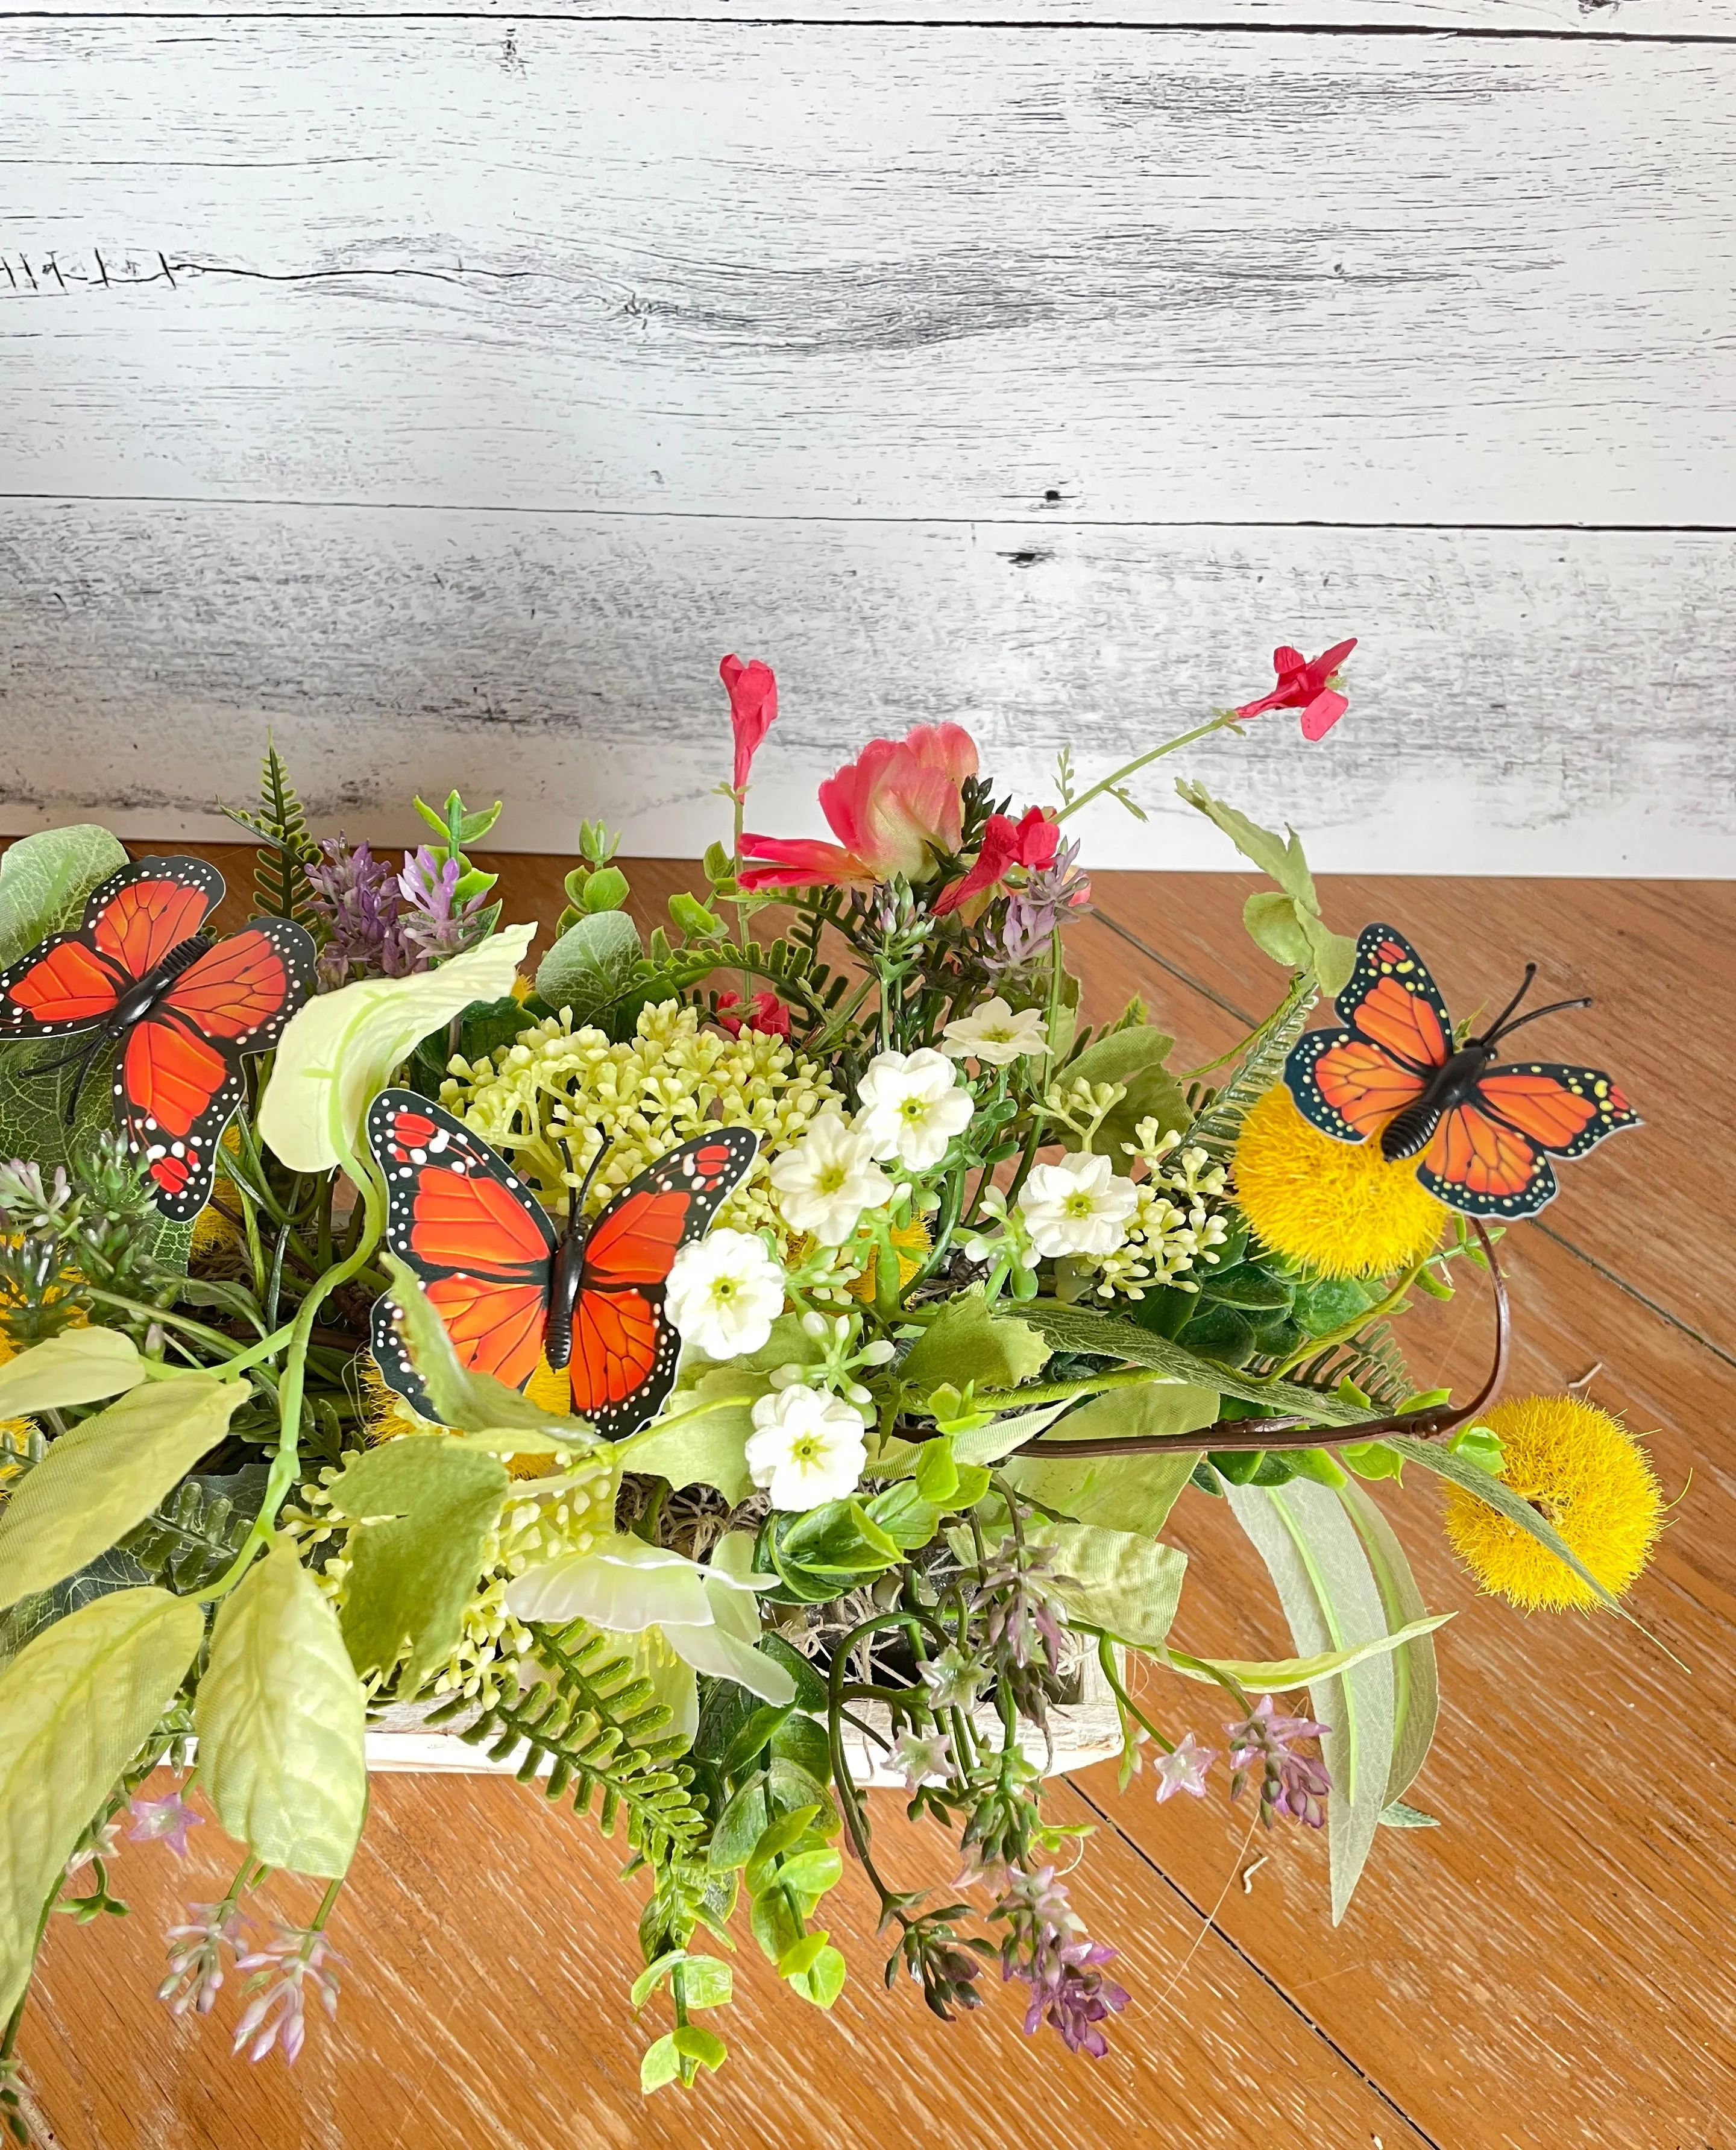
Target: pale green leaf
(695,2042)
(1276,1674)
(79,1366)
(1129,1493)
(1416,1680)
(411,1577)
(966,1341)
(702,1437)
(340,1049)
(1333,955)
(76,1704)
(822,1980)
(661,2064)
(1398,1816)
(1275,928)
(1316,1561)
(107,1474)
(45,880)
(1082,1329)
(280,1719)
(1133,1058)
(1115,1580)
(988,1444)
(1280,860)
(590,965)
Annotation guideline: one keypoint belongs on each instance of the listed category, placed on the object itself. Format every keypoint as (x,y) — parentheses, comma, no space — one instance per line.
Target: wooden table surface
(1551,1967)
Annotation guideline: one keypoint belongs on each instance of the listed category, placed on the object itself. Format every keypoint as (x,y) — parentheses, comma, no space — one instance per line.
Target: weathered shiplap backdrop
(448,389)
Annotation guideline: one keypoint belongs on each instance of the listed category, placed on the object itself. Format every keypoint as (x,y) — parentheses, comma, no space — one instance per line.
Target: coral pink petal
(801,862)
(1000,844)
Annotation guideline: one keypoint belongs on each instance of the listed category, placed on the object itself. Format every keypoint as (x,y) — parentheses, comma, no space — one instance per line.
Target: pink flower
(891,809)
(1031,842)
(765,1011)
(1308,687)
(753,707)
(166,1821)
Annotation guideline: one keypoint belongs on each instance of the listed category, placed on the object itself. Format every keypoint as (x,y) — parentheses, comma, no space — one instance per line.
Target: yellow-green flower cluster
(1176,1225)
(542,1100)
(533,1527)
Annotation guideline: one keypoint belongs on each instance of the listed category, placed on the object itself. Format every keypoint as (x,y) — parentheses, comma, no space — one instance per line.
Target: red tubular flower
(1031,842)
(891,809)
(763,1011)
(753,707)
(1308,687)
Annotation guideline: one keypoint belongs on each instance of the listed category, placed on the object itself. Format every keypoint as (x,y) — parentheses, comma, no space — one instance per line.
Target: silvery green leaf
(590,965)
(1316,1561)
(79,1366)
(1416,1682)
(45,880)
(1119,1581)
(1129,1493)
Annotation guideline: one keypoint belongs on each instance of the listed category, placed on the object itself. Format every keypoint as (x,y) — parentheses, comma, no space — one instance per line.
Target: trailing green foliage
(596,1722)
(1218,1128)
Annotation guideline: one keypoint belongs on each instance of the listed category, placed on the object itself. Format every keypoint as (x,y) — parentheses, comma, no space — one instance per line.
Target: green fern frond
(594,1719)
(191,1538)
(1216,1129)
(1372,1361)
(287,849)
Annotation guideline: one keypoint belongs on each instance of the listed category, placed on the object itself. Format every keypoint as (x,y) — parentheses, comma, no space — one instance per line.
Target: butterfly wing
(1350,1083)
(179,1077)
(474,1234)
(1564,1110)
(624,1347)
(1478,1164)
(74,980)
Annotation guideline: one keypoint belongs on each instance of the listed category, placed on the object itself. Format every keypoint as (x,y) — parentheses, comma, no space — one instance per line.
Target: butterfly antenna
(1537,1015)
(605,1143)
(1500,1022)
(89,1062)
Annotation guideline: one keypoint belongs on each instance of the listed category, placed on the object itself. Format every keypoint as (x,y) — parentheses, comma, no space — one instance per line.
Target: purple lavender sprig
(436,922)
(282,1971)
(1047,1946)
(358,896)
(195,1955)
(1290,1782)
(1033,912)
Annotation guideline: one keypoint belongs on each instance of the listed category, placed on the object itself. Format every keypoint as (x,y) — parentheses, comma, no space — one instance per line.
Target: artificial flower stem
(146,1313)
(1119,776)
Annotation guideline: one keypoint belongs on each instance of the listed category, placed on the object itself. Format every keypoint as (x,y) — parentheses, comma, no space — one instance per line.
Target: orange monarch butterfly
(1481,1131)
(512,1291)
(140,972)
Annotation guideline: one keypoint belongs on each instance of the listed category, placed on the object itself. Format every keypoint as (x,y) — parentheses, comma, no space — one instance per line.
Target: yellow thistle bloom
(1340,1207)
(542,1100)
(219,1247)
(1583,1472)
(910,1242)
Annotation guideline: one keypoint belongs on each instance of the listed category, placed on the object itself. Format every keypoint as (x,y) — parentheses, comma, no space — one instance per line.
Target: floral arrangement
(728,1367)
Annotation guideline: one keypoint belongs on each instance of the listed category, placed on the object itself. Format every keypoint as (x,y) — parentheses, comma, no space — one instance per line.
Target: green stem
(215,1337)
(1055,1392)
(1142,761)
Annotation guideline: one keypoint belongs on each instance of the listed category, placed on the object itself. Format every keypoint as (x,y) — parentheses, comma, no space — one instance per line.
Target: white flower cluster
(1176,1223)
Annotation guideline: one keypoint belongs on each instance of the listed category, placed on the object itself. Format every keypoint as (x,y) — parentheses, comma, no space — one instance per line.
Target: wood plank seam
(1209,1922)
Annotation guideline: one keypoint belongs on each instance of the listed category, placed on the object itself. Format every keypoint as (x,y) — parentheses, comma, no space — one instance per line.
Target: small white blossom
(993,1034)
(912,1106)
(1077,1207)
(1184,1770)
(952,1679)
(825,1183)
(922,1758)
(807,1447)
(724,1292)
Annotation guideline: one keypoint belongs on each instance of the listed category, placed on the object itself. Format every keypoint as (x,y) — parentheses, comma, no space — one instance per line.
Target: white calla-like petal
(719,1654)
(622,1583)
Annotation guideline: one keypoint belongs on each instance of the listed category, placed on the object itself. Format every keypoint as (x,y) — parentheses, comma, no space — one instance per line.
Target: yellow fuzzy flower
(542,1100)
(910,1242)
(1583,1472)
(1339,1206)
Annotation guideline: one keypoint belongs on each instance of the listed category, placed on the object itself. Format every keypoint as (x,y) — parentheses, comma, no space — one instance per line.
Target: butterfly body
(516,1294)
(139,979)
(1484,1132)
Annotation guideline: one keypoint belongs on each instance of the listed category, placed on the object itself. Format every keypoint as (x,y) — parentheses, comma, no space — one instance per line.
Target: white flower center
(1080,1204)
(830,1179)
(914,1109)
(724,1287)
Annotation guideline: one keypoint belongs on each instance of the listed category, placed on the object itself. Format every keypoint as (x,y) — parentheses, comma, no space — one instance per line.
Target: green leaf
(107,1474)
(1248,1286)
(340,1049)
(739,1826)
(822,1980)
(1276,929)
(936,1471)
(1288,927)
(591,964)
(1480,1445)
(1119,1581)
(76,1704)
(653,1975)
(45,880)
(1332,955)
(1130,1493)
(661,2064)
(79,1366)
(1278,1673)
(797,1958)
(279,1718)
(411,1578)
(839,1535)
(1080,1329)
(1398,1816)
(775,1925)
(988,1444)
(1416,1681)
(1133,1058)
(812,1873)
(1316,1558)
(909,1521)
(967,1342)
(702,1437)
(696,2043)
(692,917)
(472,1402)
(1279,860)
(606,890)
(1373,1459)
(706,1982)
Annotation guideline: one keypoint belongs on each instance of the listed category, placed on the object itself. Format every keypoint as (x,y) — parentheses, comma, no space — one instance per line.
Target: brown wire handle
(1438,1422)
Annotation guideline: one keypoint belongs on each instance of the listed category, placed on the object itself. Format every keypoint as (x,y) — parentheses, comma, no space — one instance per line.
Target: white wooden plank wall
(448,392)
